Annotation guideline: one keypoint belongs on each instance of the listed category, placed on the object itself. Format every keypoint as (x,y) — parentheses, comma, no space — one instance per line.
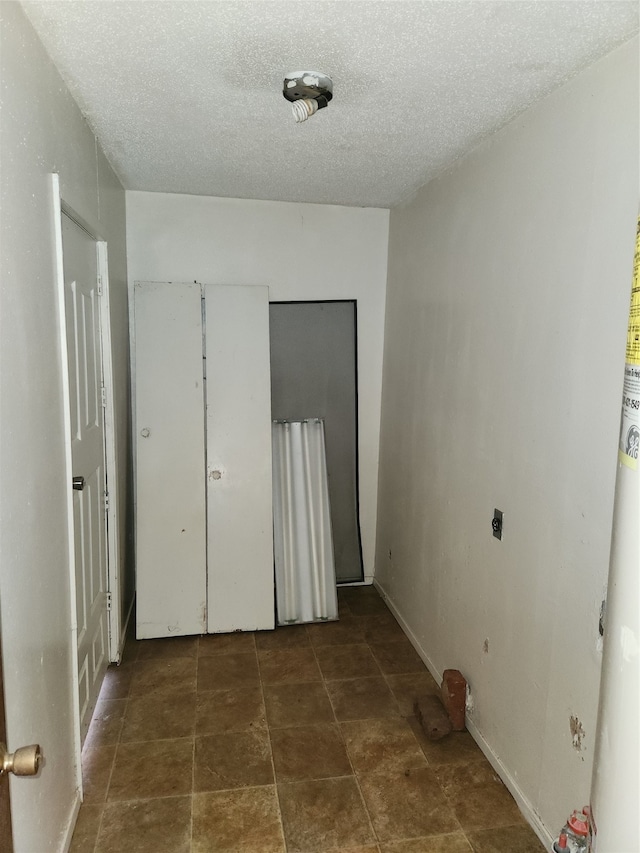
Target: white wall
(508,292)
(302,252)
(43,132)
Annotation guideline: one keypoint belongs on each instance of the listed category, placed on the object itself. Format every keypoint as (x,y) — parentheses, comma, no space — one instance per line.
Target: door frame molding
(6,833)
(61,207)
(111,460)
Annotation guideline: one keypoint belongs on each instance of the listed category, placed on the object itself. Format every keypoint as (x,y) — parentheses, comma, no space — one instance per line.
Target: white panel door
(82,310)
(170,461)
(240,526)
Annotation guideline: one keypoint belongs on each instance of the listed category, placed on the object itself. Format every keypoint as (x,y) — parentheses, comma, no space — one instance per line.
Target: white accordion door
(171,569)
(239,521)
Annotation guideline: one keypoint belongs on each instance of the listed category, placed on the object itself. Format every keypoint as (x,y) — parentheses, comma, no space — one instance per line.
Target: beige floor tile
(163,677)
(368,848)
(97,763)
(382,746)
(220,711)
(117,681)
(172,716)
(359,592)
(340,662)
(227,672)
(366,605)
(131,649)
(146,826)
(297,704)
(106,723)
(344,592)
(406,688)
(238,642)
(477,795)
(362,699)
(346,631)
(321,815)
(422,796)
(407,805)
(232,760)
(86,831)
(521,838)
(283,637)
(455,748)
(241,821)
(343,607)
(455,842)
(157,768)
(309,752)
(398,657)
(380,628)
(288,665)
(167,647)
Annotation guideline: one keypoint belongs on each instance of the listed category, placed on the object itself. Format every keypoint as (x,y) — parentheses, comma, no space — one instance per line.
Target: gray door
(314,375)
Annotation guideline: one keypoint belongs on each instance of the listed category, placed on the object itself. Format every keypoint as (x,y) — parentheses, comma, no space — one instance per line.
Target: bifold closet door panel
(239,497)
(170,460)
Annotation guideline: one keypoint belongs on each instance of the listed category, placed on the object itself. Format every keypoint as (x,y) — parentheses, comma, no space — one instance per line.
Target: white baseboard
(407,630)
(533,819)
(512,786)
(71,825)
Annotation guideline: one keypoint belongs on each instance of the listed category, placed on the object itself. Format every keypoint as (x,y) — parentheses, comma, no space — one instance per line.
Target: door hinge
(99,285)
(108,594)
(103,393)
(106,501)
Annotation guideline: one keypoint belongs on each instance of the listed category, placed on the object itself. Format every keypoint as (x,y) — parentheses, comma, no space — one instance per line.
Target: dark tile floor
(297,740)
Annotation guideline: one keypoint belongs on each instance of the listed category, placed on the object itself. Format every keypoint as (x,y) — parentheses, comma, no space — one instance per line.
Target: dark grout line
(193,781)
(273,765)
(341,736)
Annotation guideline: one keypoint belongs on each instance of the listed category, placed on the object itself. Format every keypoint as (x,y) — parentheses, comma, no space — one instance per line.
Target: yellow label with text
(629,447)
(633,331)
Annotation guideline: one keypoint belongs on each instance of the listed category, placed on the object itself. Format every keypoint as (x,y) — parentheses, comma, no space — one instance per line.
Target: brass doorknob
(23,762)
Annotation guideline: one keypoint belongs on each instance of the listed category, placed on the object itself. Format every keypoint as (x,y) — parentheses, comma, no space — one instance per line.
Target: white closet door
(82,311)
(240,526)
(170,461)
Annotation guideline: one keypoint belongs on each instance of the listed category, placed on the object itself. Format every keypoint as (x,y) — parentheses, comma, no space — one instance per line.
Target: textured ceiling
(186,96)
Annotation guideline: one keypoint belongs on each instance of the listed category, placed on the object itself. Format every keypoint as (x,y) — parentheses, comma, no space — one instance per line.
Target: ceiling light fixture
(309,92)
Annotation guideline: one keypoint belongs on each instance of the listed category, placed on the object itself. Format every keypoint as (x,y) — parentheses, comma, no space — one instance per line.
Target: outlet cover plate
(496,523)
